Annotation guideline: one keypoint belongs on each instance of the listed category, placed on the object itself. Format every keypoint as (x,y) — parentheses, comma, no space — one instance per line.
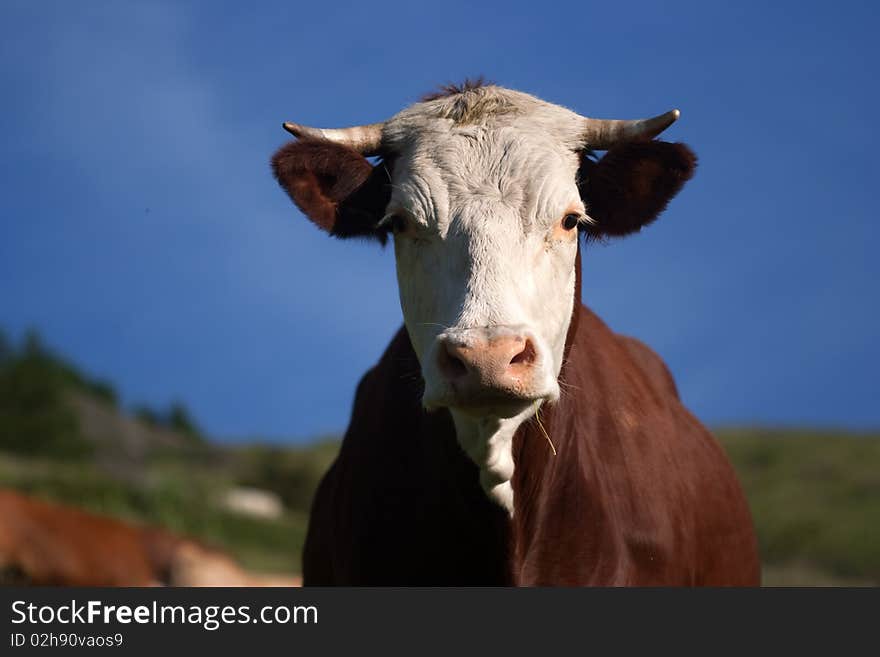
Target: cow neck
(489,441)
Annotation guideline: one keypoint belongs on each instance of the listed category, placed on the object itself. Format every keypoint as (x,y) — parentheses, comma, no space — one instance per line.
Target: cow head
(484,191)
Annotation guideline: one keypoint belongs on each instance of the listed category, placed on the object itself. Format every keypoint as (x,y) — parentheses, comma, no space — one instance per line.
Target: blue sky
(143,235)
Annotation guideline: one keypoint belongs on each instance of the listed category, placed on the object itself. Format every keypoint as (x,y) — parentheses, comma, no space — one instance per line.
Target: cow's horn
(366,139)
(602,134)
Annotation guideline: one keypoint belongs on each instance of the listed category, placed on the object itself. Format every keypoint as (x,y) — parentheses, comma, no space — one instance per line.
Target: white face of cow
(486,211)
(485,205)
(485,240)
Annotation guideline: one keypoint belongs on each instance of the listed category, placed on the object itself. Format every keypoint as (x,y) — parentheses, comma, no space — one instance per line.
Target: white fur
(488,441)
(483,194)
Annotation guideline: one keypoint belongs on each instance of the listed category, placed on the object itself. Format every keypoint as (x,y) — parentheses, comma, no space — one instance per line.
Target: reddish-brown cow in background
(49,544)
(543,449)
(43,543)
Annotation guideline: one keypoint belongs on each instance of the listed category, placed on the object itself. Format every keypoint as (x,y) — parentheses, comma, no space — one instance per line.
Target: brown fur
(640,492)
(333,185)
(49,544)
(629,187)
(43,543)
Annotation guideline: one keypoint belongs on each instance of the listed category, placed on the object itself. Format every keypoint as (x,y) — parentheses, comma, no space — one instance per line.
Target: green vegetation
(176,418)
(815,496)
(33,416)
(184,497)
(63,438)
(292,473)
(36,414)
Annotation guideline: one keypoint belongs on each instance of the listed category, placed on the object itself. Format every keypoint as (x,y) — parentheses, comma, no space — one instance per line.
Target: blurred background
(179,347)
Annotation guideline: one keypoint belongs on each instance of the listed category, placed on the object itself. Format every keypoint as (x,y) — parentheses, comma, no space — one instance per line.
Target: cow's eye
(570,221)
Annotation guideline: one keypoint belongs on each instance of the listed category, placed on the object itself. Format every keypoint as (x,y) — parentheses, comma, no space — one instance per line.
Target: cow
(507,436)
(49,544)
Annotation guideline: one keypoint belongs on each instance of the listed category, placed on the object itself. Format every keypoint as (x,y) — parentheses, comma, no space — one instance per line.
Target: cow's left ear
(631,185)
(334,186)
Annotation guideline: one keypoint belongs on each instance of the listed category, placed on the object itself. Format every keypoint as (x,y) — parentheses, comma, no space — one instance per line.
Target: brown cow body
(47,544)
(639,493)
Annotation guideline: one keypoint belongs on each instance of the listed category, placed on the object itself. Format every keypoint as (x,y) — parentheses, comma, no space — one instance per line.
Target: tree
(180,420)
(34,415)
(6,349)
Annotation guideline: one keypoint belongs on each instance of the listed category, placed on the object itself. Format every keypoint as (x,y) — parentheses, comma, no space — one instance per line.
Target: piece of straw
(543,430)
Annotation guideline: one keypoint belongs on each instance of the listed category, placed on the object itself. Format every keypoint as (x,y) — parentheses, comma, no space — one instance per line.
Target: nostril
(527,356)
(450,365)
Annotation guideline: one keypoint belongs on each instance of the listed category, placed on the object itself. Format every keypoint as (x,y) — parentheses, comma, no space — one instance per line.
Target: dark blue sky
(143,235)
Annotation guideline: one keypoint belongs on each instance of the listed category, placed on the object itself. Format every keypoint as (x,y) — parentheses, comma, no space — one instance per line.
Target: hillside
(815,495)
(64,437)
(815,498)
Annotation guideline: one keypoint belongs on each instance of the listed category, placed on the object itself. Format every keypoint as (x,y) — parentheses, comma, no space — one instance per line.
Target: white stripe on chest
(488,442)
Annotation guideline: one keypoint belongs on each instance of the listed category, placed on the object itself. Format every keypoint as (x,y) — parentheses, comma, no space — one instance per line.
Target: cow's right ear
(335,186)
